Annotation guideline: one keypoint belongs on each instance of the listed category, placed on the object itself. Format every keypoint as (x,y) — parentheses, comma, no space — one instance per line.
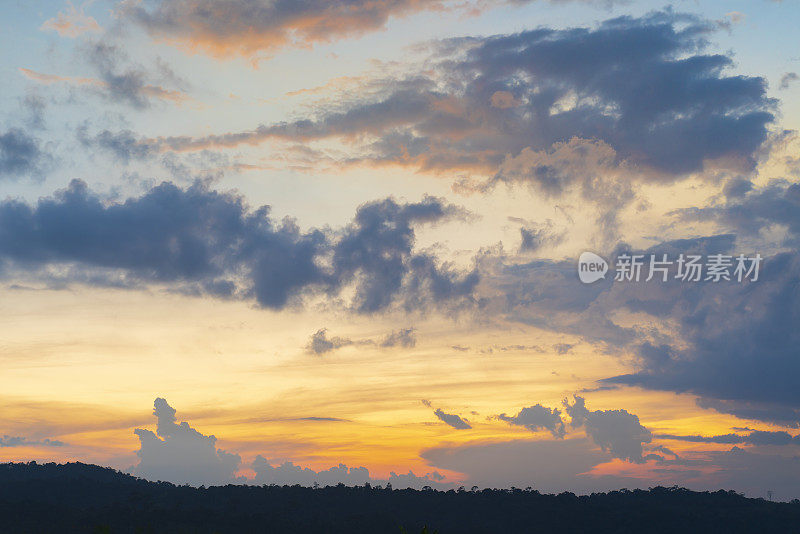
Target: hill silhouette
(77,497)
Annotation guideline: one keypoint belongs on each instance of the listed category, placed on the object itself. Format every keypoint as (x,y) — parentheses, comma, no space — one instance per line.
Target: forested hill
(77,497)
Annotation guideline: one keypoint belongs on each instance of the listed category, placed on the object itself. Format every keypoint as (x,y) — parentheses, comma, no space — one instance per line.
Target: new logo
(591,267)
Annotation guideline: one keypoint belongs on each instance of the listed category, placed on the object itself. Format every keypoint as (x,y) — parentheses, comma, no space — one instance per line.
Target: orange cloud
(241,28)
(153,91)
(72,22)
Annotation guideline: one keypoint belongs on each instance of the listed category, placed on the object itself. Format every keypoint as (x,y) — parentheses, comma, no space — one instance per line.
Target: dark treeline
(85,498)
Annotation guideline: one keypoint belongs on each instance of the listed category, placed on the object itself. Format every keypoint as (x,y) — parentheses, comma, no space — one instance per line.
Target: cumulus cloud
(635,93)
(375,251)
(731,344)
(536,418)
(736,343)
(289,474)
(199,241)
(20,153)
(178,453)
(617,432)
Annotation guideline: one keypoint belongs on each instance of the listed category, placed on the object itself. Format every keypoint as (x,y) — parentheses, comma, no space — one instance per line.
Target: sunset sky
(255,240)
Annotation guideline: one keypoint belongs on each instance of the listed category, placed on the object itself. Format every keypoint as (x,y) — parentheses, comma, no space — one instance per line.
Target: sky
(280,242)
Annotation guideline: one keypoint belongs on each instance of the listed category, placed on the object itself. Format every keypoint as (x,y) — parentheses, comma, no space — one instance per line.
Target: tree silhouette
(84,498)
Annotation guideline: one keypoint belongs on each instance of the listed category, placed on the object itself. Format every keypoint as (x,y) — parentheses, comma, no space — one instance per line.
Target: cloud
(404,337)
(788,79)
(178,453)
(569,465)
(125,82)
(118,79)
(72,22)
(289,474)
(755,437)
(246,27)
(548,465)
(730,344)
(123,145)
(19,441)
(536,418)
(225,28)
(736,343)
(452,420)
(639,92)
(199,241)
(537,236)
(616,431)
(375,252)
(127,88)
(770,412)
(749,211)
(20,153)
(320,343)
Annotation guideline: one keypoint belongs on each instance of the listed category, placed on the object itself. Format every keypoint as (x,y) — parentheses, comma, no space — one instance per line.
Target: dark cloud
(748,210)
(199,241)
(755,437)
(452,420)
(736,343)
(320,343)
(536,237)
(375,252)
(123,145)
(540,105)
(770,412)
(20,153)
(616,431)
(732,344)
(405,337)
(536,418)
